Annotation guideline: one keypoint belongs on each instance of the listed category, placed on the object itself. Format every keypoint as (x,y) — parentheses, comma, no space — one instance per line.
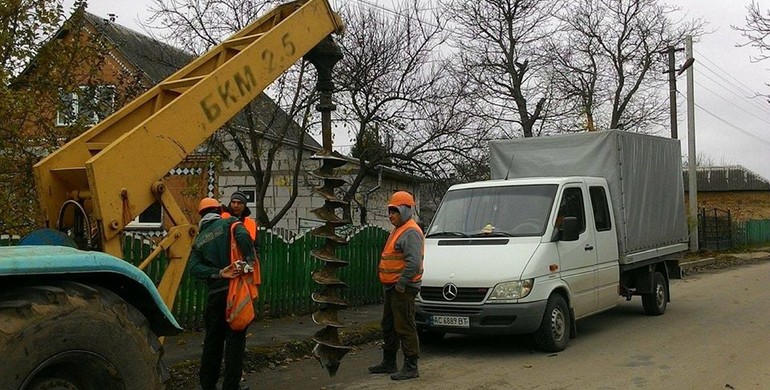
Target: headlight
(516,289)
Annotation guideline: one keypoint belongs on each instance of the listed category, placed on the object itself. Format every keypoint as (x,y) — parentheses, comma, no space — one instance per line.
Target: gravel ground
(728,259)
(184,375)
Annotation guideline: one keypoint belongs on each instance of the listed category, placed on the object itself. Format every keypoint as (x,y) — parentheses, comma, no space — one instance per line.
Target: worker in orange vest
(237,208)
(210,261)
(400,272)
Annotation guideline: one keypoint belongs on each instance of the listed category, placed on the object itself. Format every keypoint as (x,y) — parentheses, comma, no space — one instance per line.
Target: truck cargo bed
(644,174)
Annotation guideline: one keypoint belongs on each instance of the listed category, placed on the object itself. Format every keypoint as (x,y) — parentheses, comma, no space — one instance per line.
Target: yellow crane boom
(114,169)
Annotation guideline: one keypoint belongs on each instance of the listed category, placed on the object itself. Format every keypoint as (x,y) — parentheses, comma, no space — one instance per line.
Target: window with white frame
(250,195)
(92,103)
(151,218)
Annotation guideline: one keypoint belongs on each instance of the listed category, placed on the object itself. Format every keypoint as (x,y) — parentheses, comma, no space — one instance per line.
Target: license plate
(459,322)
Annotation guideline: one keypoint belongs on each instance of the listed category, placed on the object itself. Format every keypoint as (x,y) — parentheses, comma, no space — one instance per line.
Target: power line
(748,100)
(724,72)
(741,93)
(743,131)
(396,13)
(733,103)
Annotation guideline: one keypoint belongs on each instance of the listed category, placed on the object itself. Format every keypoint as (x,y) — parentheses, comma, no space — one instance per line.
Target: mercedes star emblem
(449,291)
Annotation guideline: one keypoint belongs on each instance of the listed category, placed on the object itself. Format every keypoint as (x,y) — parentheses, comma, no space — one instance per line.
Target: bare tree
(197,26)
(499,43)
(756,31)
(576,73)
(270,129)
(404,109)
(265,127)
(607,60)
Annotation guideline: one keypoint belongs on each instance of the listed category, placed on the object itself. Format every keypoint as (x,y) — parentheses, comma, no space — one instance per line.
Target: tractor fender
(26,264)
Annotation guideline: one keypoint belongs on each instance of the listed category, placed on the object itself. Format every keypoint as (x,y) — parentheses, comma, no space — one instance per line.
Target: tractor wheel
(72,336)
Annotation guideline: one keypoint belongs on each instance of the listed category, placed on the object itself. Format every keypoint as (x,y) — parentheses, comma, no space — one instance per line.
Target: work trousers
(398,326)
(221,339)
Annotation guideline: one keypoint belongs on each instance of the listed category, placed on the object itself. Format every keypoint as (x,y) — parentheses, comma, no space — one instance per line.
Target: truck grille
(450,310)
(466,294)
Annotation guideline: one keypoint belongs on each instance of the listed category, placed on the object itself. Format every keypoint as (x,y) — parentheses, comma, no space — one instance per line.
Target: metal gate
(715,229)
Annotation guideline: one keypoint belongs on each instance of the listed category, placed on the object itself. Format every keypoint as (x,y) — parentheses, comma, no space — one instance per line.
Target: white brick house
(373,193)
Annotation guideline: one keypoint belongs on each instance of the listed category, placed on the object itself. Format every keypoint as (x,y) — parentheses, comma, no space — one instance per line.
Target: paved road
(714,335)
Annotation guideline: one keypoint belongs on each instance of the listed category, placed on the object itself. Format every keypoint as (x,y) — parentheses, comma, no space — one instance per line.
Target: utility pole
(670,50)
(692,178)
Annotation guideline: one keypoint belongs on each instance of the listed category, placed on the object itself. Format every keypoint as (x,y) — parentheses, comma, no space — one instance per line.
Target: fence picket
(286,273)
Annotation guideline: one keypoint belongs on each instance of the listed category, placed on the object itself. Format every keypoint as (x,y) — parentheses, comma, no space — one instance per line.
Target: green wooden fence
(752,232)
(287,266)
(286,274)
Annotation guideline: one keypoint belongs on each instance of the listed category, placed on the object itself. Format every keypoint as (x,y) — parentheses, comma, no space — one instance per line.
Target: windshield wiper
(447,234)
(493,234)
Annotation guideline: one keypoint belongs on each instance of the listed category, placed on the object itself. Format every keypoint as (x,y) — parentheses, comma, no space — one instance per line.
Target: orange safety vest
(249,223)
(393,262)
(243,289)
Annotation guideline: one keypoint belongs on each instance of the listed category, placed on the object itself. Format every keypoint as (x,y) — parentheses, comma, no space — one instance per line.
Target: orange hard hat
(207,203)
(401,198)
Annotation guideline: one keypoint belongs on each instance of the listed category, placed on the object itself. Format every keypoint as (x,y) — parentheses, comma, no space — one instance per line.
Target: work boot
(388,365)
(409,370)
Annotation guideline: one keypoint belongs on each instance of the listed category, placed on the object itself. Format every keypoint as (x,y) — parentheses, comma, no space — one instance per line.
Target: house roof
(154,58)
(727,178)
(403,176)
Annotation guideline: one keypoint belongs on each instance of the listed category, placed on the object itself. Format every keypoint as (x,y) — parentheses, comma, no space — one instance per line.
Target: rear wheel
(71,336)
(655,303)
(553,334)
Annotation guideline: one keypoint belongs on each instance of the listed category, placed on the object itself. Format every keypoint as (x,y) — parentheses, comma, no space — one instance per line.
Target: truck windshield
(494,211)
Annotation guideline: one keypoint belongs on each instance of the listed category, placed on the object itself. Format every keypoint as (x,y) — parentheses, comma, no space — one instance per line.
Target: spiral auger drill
(329,350)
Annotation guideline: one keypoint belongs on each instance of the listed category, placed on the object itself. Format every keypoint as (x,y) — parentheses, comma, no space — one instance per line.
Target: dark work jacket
(211,251)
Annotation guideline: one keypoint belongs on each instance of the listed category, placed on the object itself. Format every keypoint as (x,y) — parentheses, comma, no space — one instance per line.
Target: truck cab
(500,254)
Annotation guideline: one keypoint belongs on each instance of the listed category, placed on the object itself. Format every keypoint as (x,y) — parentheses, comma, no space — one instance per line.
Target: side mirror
(570,229)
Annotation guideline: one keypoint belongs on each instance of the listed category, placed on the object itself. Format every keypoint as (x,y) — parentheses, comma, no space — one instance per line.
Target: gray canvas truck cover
(644,174)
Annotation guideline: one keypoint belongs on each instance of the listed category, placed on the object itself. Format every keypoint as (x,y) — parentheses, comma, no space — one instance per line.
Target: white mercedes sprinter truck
(567,225)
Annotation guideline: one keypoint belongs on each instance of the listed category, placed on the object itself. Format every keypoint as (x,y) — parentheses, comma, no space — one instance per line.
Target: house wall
(94,63)
(234,176)
(743,205)
(113,69)
(188,183)
(190,180)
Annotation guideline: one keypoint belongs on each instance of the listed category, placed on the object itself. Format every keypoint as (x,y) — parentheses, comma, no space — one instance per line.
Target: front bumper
(494,319)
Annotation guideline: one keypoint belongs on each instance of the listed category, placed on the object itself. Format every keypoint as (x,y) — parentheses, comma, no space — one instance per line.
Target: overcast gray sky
(732,126)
